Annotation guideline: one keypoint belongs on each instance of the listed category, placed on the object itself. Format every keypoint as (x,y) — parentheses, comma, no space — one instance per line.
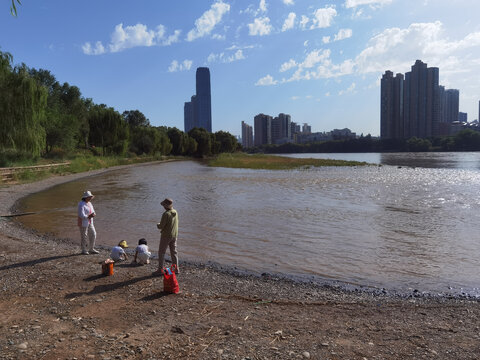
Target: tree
(204,142)
(417,145)
(179,141)
(22,109)
(108,130)
(135,118)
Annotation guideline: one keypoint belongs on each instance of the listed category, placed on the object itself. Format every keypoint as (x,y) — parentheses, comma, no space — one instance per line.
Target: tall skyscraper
(203,104)
(198,111)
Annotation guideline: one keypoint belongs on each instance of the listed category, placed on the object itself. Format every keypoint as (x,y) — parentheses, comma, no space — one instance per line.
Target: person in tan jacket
(168,226)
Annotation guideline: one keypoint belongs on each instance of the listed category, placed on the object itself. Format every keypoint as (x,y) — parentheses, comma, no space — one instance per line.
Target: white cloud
(326,39)
(132,36)
(323,17)
(207,22)
(295,98)
(288,2)
(128,37)
(97,50)
(373,3)
(266,81)
(222,57)
(260,26)
(350,89)
(288,65)
(176,66)
(305,43)
(263,6)
(304,21)
(396,48)
(343,34)
(172,38)
(289,22)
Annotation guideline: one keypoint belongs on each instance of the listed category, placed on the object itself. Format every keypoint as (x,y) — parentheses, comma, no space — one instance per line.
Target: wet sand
(55,304)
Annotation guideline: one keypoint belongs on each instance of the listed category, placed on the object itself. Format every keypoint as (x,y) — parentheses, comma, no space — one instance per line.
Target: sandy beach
(55,304)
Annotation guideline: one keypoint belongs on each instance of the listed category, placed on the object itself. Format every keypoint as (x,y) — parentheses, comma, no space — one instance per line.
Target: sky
(319,61)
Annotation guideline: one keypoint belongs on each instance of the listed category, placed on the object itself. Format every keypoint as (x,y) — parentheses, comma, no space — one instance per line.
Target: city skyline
(320,62)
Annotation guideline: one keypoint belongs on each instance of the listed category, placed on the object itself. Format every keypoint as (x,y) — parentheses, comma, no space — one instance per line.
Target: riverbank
(55,304)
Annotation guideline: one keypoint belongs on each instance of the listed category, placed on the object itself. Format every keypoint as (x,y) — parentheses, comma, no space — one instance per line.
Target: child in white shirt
(118,252)
(142,253)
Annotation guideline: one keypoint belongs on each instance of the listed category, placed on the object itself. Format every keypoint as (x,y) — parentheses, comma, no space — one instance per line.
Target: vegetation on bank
(78,164)
(465,140)
(42,118)
(272,162)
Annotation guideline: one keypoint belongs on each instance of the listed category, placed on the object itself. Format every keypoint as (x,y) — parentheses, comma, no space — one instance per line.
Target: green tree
(108,130)
(22,109)
(417,145)
(204,141)
(13,8)
(135,118)
(467,140)
(179,141)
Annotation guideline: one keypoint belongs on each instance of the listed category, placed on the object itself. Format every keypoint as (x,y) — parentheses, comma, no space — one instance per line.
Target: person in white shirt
(86,213)
(142,253)
(118,253)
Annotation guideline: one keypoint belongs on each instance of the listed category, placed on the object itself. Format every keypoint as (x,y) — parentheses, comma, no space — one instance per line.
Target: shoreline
(8,205)
(56,304)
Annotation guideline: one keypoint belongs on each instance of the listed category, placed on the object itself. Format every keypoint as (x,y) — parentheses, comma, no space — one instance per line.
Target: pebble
(23,346)
(220,352)
(306,355)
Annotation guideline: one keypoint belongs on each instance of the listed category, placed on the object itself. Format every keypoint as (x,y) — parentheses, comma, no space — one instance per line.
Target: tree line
(41,117)
(465,140)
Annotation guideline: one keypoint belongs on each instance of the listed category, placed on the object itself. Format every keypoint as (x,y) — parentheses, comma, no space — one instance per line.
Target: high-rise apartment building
(462,117)
(452,97)
(281,129)
(200,106)
(247,135)
(263,129)
(415,105)
(188,114)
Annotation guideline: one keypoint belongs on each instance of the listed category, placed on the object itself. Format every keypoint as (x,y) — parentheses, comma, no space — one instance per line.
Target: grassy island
(273,162)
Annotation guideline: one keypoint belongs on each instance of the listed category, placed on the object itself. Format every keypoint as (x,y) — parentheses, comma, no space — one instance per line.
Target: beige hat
(167,203)
(87,194)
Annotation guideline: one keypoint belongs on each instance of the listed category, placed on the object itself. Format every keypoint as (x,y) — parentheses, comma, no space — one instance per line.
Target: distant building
(451,105)
(188,117)
(416,105)
(462,117)
(247,135)
(306,129)
(281,129)
(200,106)
(263,129)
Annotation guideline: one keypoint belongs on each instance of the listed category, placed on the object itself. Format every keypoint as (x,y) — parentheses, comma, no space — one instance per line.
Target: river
(412,223)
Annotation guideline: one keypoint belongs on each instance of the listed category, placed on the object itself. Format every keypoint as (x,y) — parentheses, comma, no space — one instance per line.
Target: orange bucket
(107,268)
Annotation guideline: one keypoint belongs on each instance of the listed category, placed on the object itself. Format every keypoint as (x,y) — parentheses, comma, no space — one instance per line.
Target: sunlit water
(396,227)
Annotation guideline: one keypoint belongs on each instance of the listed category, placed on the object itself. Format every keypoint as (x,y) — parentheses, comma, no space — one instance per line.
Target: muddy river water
(412,223)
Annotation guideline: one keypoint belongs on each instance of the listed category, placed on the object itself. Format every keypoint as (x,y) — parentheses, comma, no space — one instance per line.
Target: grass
(273,162)
(78,163)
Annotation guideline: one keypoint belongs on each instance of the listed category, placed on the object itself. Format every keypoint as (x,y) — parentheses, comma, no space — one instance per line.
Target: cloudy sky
(319,61)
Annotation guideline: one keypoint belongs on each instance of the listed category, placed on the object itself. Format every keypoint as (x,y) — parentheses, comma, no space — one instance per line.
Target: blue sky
(319,61)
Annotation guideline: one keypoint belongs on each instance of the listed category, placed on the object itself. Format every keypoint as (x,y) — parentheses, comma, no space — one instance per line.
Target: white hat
(87,194)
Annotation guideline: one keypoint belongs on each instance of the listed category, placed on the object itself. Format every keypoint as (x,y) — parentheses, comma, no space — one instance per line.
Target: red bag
(170,283)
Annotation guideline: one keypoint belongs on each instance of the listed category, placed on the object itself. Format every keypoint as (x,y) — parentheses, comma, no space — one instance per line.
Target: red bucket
(107,267)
